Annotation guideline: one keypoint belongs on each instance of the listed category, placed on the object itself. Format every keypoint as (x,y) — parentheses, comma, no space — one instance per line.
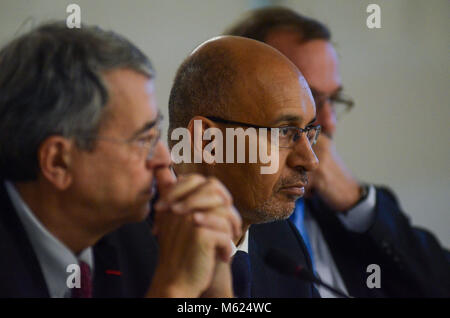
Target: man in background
(80,153)
(347,224)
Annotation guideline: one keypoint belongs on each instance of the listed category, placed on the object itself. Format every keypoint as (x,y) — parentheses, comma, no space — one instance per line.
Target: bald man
(232,83)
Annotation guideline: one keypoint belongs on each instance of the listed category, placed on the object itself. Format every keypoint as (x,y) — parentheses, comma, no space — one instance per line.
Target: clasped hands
(195,223)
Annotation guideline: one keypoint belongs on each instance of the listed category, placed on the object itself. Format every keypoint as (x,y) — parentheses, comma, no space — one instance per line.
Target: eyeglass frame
(300,130)
(337,97)
(150,145)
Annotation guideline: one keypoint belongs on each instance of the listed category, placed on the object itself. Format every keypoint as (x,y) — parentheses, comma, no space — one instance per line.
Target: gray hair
(51,84)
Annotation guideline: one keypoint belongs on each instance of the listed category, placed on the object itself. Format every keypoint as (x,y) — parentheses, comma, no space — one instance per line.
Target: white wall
(399,75)
(398,133)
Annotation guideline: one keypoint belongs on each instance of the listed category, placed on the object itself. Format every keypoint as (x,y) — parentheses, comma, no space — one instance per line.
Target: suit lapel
(344,245)
(269,282)
(20,266)
(107,272)
(260,276)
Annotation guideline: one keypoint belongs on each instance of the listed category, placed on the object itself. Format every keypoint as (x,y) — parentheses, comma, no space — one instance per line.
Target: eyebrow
(291,118)
(287,118)
(312,121)
(336,91)
(147,126)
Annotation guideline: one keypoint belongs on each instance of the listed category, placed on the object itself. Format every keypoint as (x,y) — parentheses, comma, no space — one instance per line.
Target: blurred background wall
(399,75)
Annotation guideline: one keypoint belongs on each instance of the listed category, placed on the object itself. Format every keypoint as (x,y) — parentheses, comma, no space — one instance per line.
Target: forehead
(131,102)
(279,94)
(318,61)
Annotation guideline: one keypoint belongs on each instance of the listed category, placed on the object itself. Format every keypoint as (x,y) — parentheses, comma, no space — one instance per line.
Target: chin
(286,211)
(274,211)
(286,204)
(139,213)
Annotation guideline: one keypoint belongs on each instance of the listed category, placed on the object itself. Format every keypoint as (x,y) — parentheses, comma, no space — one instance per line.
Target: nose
(160,165)
(160,157)
(326,117)
(303,156)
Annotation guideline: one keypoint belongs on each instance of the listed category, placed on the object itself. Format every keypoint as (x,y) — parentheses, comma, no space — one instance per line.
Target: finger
(221,189)
(233,217)
(236,222)
(213,222)
(183,187)
(223,247)
(209,195)
(230,214)
(199,201)
(158,211)
(219,241)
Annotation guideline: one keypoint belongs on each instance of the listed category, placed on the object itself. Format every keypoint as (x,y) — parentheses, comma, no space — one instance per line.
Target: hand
(195,223)
(222,282)
(334,183)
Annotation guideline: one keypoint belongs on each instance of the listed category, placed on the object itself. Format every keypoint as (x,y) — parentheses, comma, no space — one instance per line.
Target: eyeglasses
(288,135)
(146,144)
(340,103)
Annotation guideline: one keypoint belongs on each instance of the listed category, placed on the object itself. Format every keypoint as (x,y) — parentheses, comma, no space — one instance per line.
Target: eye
(284,131)
(145,141)
(311,132)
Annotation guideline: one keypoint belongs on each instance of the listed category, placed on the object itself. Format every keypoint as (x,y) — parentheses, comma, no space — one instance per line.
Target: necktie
(240,268)
(85,290)
(298,218)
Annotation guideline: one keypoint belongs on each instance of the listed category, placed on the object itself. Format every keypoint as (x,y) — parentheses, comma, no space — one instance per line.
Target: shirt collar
(243,246)
(52,254)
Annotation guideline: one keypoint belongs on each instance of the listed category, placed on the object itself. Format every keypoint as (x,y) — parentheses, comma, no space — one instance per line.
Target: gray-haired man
(79,152)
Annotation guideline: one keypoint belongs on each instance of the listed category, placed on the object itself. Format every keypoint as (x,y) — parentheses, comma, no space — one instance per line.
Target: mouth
(296,190)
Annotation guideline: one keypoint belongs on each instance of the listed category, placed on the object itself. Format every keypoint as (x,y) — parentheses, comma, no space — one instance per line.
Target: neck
(60,216)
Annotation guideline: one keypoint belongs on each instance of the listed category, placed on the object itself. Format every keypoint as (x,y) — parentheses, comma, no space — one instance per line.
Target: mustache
(302,177)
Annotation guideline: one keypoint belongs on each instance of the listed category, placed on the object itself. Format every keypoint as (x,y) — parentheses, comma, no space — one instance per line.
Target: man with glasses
(232,83)
(347,225)
(80,160)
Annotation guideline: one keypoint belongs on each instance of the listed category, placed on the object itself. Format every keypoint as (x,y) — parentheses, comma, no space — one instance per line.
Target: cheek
(263,186)
(132,177)
(283,169)
(123,178)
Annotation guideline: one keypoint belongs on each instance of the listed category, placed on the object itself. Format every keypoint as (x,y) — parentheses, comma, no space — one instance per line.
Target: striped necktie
(85,290)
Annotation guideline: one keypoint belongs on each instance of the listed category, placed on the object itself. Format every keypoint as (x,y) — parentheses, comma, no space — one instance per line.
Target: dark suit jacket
(413,264)
(131,250)
(268,282)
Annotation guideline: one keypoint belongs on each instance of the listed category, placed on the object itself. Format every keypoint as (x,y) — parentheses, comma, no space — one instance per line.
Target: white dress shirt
(52,254)
(358,219)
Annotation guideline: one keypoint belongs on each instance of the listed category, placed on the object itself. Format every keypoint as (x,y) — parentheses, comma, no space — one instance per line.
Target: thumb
(165,179)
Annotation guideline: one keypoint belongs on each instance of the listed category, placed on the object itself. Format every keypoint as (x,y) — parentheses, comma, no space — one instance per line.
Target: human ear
(197,127)
(55,160)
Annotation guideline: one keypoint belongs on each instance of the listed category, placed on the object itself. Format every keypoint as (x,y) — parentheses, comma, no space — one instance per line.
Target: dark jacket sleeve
(414,251)
(412,262)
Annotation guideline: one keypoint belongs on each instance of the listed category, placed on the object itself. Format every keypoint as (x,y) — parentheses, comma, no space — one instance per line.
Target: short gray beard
(269,211)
